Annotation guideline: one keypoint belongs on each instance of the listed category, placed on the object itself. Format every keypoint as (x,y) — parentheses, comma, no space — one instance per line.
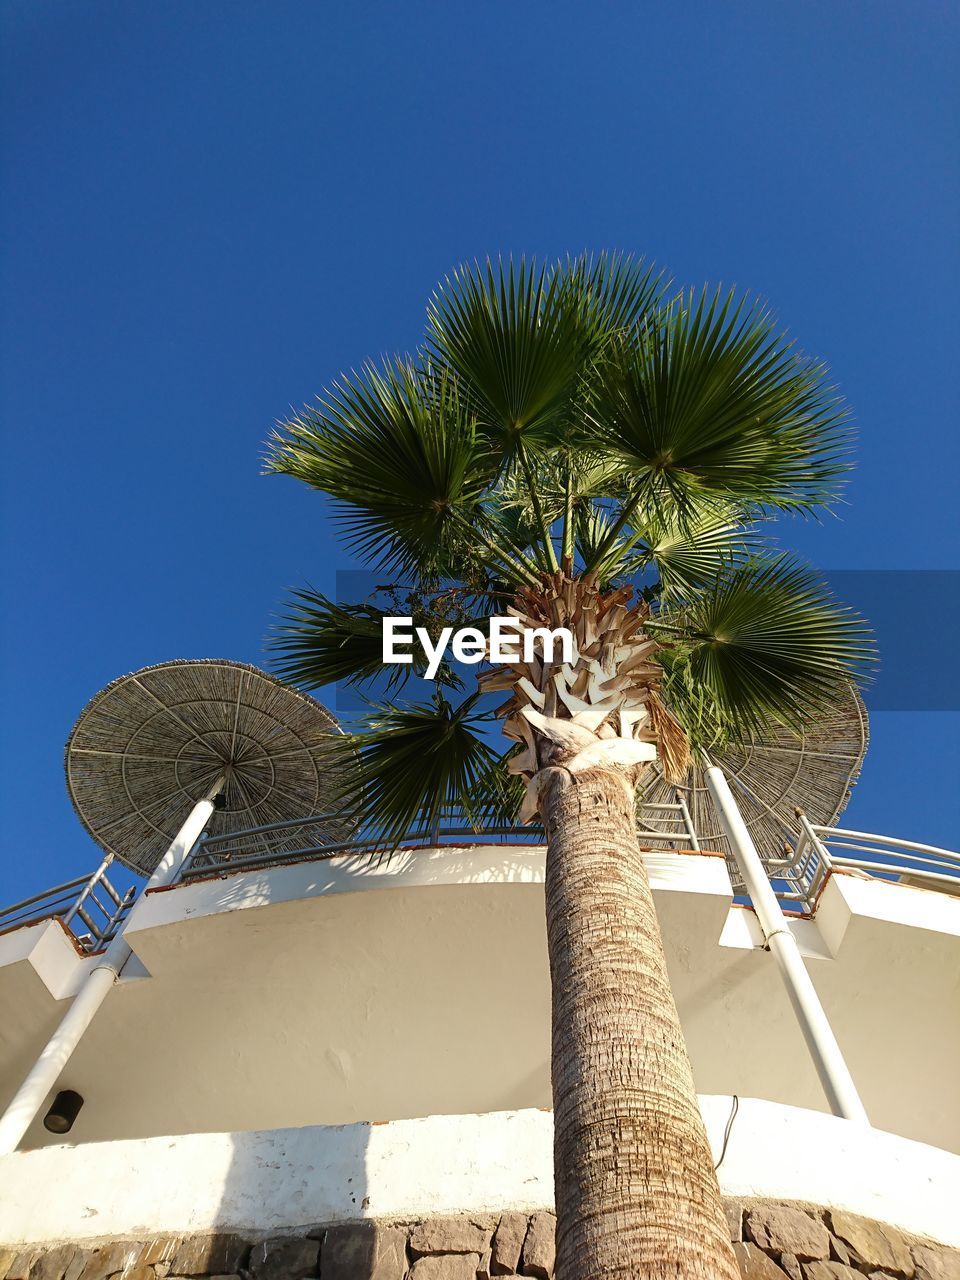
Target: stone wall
(771,1241)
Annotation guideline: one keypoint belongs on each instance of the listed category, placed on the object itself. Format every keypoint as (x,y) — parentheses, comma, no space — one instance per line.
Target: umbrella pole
(822,1043)
(45,1072)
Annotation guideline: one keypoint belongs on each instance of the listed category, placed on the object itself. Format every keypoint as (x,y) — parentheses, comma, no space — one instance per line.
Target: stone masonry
(771,1242)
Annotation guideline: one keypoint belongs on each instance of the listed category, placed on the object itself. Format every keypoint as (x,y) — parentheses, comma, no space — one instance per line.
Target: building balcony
(335,1035)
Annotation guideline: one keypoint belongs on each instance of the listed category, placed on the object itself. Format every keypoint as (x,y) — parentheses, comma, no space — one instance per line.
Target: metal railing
(797,877)
(819,849)
(680,833)
(91,907)
(301,840)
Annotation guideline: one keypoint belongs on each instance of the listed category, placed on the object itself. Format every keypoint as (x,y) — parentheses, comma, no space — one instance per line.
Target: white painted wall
(788,1153)
(848,896)
(320,972)
(47,947)
(290,1178)
(475,864)
(280,1178)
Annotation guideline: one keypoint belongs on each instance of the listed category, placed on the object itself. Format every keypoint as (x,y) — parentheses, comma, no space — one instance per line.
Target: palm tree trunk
(636,1191)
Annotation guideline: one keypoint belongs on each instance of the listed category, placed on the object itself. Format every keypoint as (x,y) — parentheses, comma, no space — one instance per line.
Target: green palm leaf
(419,761)
(608,556)
(612,292)
(695,552)
(708,397)
(318,642)
(520,338)
(514,347)
(769,644)
(402,461)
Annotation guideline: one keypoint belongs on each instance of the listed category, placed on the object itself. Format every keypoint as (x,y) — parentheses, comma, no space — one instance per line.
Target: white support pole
(827,1058)
(45,1072)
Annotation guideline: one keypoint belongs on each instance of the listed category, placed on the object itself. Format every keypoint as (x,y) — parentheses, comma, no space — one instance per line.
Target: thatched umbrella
(771,776)
(155,759)
(153,743)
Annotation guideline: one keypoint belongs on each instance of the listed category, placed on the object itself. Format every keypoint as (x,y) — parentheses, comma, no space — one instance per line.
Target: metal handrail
(809,857)
(202,862)
(230,851)
(810,853)
(885,857)
(100,922)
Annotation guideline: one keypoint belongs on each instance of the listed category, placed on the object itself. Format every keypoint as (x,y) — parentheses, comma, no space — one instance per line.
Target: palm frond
(768,644)
(319,642)
(418,761)
(514,347)
(709,397)
(607,556)
(510,520)
(705,722)
(695,552)
(402,460)
(612,292)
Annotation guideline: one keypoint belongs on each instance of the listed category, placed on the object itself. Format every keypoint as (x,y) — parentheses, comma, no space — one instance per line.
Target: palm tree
(583,446)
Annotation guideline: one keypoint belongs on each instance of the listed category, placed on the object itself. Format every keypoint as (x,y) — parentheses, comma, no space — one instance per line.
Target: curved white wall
(406,1169)
(319,973)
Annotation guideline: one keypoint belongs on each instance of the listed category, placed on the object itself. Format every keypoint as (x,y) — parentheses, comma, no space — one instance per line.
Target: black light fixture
(65,1109)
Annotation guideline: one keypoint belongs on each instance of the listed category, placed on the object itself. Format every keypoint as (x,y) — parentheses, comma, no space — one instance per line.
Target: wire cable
(726,1133)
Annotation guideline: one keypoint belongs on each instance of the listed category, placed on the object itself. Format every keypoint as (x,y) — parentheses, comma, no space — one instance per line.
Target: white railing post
(827,1058)
(45,1072)
(688,822)
(88,889)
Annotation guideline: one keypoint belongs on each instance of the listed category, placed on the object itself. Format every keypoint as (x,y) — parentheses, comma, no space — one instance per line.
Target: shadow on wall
(302,1178)
(452,864)
(295,1178)
(195,1184)
(319,1005)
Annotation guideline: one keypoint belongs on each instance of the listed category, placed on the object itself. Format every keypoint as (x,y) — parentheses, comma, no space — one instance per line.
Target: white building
(328,1040)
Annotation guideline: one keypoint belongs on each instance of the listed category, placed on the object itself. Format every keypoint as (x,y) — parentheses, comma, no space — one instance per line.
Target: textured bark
(636,1191)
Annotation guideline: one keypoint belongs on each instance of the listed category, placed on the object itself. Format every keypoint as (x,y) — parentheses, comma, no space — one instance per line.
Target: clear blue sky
(210,209)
